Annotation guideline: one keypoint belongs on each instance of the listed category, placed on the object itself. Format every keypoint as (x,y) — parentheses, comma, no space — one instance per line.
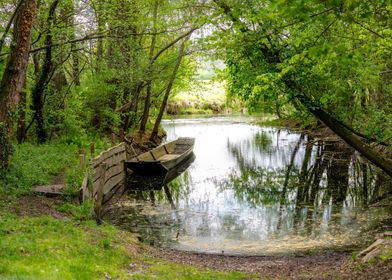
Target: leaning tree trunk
(370,153)
(158,120)
(15,74)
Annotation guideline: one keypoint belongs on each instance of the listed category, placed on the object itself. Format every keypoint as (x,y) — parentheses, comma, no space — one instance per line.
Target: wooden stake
(92,150)
(99,199)
(82,161)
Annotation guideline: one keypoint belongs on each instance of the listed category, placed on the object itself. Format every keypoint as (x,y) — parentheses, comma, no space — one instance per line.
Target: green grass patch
(45,248)
(37,164)
(387,255)
(33,165)
(203,91)
(271,120)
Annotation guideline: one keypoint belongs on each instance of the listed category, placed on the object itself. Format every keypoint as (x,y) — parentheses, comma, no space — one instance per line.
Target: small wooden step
(51,189)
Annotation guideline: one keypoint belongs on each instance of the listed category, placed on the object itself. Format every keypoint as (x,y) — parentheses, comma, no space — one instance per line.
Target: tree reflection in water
(255,190)
(310,192)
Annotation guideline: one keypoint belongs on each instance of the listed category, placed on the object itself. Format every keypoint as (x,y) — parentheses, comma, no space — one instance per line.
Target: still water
(258,190)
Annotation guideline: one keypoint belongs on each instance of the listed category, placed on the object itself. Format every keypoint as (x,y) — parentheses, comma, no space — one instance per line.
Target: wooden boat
(157,181)
(162,158)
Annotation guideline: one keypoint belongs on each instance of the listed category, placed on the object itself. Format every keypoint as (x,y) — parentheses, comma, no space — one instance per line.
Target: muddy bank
(319,266)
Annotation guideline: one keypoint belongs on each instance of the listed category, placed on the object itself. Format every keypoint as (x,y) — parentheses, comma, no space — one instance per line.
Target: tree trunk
(158,120)
(147,102)
(373,156)
(14,74)
(74,46)
(37,93)
(9,24)
(21,128)
(146,111)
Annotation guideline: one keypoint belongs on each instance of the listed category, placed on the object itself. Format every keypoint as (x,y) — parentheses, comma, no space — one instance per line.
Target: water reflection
(158,180)
(254,190)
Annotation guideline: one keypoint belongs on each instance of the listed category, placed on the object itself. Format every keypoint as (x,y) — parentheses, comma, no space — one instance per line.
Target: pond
(255,190)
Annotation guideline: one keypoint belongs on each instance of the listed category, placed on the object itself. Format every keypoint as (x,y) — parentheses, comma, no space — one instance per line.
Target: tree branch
(7,28)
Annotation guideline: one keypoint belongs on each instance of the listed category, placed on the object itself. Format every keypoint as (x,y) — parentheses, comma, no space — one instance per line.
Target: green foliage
(97,101)
(83,212)
(386,256)
(36,165)
(336,54)
(73,178)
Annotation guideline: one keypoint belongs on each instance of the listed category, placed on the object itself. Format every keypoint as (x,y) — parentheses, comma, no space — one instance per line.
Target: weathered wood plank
(120,148)
(113,170)
(86,192)
(100,188)
(110,184)
(113,182)
(106,156)
(51,189)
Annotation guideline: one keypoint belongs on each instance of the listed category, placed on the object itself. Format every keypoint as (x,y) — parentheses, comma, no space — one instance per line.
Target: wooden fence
(108,174)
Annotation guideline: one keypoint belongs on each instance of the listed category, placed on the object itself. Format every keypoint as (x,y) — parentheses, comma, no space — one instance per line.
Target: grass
(36,165)
(203,91)
(202,97)
(46,248)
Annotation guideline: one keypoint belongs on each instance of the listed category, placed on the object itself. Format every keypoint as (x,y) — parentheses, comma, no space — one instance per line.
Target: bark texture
(14,75)
(15,71)
(44,77)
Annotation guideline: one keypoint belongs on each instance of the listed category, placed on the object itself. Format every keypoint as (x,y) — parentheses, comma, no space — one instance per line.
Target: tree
(323,57)
(43,77)
(14,75)
(158,120)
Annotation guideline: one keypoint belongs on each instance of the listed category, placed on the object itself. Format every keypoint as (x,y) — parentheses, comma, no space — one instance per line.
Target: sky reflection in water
(256,190)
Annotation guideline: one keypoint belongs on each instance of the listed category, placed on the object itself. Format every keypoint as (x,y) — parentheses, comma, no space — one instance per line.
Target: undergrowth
(37,165)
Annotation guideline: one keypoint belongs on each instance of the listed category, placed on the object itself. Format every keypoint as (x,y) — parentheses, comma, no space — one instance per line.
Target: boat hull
(161,159)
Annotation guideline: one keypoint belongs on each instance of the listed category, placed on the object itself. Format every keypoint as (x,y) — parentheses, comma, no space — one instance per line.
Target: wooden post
(113,139)
(82,159)
(99,199)
(92,150)
(86,193)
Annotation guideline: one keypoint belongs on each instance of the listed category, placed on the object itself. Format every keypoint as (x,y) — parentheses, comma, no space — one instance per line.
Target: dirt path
(321,266)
